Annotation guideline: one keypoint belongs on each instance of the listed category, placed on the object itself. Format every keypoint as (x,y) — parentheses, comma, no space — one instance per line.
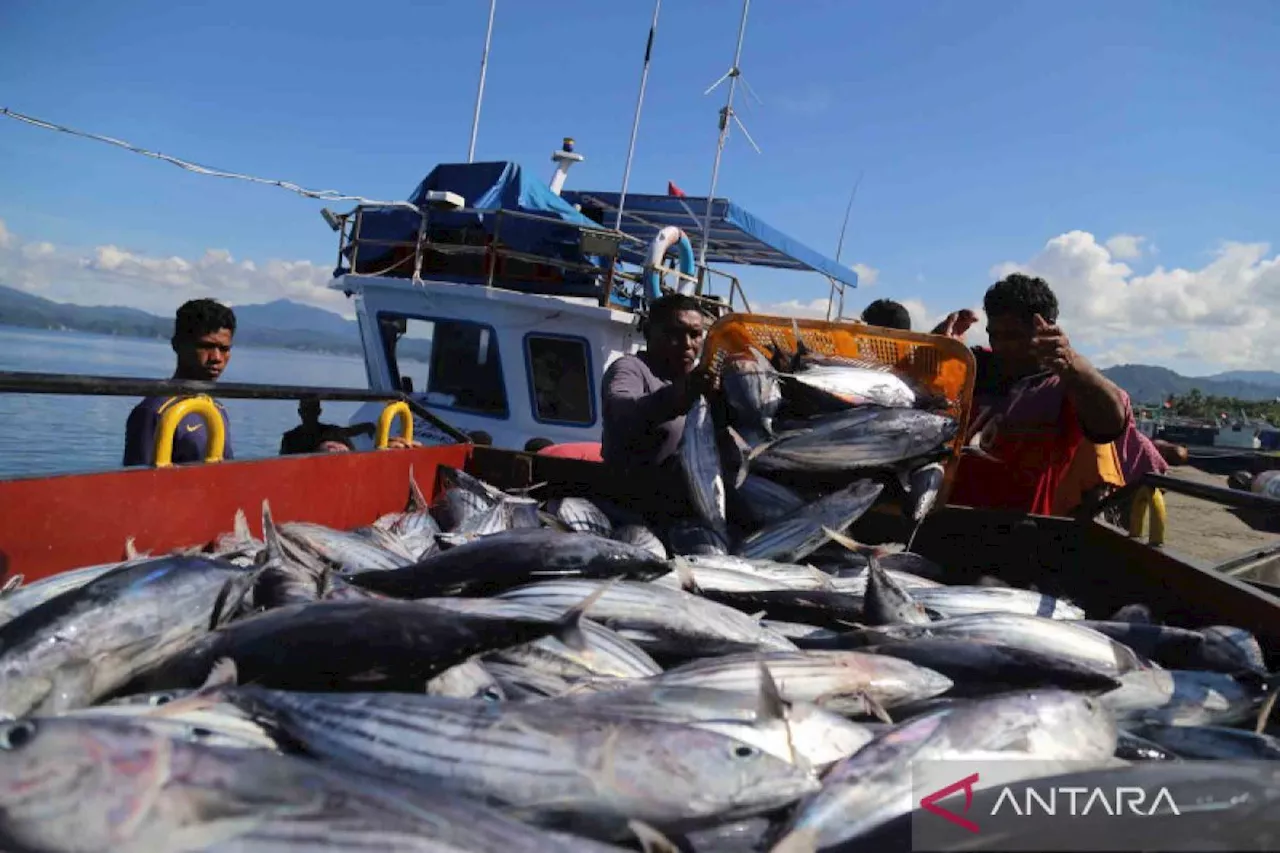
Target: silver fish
(1049,636)
(887,602)
(798,630)
(581,515)
(855,384)
(20,599)
(510,513)
(795,732)
(78,647)
(346,551)
(1181,697)
(924,484)
(760,500)
(1043,728)
(466,680)
(687,537)
(783,575)
(656,618)
(700,461)
(589,771)
(463,496)
(952,601)
(1212,742)
(982,668)
(842,682)
(603,652)
(133,790)
(522,683)
(207,726)
(1231,649)
(863,438)
(641,537)
(701,578)
(753,390)
(800,534)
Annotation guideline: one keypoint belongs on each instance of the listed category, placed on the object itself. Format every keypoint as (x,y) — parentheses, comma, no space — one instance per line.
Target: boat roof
(737,235)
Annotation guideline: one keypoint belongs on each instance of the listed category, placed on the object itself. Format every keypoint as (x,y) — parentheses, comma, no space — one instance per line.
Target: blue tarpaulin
(485,187)
(737,236)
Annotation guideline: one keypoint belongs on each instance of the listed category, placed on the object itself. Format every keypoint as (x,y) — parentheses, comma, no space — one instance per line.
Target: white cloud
(814,309)
(1213,317)
(867,275)
(110,275)
(1126,247)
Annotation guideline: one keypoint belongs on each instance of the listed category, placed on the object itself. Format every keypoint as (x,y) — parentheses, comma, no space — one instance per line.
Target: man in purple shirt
(645,399)
(202,333)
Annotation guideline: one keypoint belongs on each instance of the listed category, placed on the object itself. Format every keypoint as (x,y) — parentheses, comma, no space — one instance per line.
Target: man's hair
(887,314)
(199,317)
(664,309)
(1021,296)
(533,445)
(480,437)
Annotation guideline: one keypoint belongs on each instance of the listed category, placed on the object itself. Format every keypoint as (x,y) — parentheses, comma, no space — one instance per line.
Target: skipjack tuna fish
(493,673)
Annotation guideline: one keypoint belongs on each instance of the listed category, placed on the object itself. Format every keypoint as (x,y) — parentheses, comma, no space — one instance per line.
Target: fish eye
(161,699)
(742,750)
(18,734)
(199,732)
(491,694)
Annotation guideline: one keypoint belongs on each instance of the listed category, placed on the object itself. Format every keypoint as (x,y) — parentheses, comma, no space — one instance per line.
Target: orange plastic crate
(943,365)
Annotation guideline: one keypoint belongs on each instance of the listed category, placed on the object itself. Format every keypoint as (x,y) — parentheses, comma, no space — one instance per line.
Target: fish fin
(417,501)
(11,584)
(130,549)
(758,615)
(220,604)
(801,349)
(569,626)
(877,710)
(241,527)
(524,491)
(223,674)
(271,536)
(754,452)
(685,573)
(843,541)
(651,840)
(803,840)
(744,451)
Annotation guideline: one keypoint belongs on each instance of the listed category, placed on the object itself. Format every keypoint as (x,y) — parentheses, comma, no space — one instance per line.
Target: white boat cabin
(498,304)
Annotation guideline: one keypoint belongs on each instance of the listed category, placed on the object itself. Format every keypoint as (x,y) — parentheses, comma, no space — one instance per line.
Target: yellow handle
(1148,502)
(400,410)
(166,432)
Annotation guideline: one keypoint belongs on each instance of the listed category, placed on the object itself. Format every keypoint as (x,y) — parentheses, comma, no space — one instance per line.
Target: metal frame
(20,382)
(394,361)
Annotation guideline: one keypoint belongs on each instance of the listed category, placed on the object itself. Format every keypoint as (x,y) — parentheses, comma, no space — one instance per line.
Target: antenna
(733,75)
(484,66)
(635,125)
(847,211)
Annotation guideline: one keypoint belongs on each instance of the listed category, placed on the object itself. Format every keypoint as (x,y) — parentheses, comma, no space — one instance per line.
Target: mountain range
(281,324)
(1147,383)
(292,325)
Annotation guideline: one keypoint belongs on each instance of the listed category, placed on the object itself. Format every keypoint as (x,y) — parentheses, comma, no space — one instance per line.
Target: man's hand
(399,442)
(705,380)
(956,324)
(1052,348)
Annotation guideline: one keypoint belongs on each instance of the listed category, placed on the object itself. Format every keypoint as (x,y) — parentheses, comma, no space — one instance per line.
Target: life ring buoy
(662,243)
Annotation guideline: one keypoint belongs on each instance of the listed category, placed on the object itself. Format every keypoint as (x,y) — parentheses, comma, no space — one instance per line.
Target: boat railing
(597,251)
(23,382)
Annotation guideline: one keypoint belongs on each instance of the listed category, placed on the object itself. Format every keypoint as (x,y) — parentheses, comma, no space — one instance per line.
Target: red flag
(674,190)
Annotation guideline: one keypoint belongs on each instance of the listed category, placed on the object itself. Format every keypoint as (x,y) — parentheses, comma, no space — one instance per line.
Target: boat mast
(635,124)
(726,113)
(484,66)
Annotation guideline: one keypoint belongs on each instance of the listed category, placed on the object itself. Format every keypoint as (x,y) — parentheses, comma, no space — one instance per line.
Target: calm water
(45,434)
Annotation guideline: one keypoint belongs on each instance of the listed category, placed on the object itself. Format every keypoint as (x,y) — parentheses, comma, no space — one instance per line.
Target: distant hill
(1147,383)
(281,324)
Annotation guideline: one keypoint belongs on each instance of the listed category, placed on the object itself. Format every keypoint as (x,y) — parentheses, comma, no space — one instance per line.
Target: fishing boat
(498,301)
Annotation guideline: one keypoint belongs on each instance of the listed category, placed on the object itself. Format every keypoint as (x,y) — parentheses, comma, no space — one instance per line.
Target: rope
(321,195)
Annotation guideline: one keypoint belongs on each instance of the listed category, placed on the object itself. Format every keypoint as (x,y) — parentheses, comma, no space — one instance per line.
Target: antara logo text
(1071,801)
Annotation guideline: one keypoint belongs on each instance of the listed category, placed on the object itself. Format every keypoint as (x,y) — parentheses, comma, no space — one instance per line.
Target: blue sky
(991,136)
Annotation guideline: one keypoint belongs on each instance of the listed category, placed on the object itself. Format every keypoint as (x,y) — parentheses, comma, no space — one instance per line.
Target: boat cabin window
(455,362)
(561,386)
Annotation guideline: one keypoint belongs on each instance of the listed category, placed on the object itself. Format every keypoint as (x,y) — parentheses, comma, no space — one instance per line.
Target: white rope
(321,195)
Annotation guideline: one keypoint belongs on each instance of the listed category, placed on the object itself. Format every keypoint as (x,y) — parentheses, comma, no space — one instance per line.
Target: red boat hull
(52,524)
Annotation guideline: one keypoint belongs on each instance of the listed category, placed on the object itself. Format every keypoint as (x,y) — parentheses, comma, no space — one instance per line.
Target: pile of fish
(498,674)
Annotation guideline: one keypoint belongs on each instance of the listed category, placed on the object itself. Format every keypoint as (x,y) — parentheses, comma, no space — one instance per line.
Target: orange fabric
(1092,466)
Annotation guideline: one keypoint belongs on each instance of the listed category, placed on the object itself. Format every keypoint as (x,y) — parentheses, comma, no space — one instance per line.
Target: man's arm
(630,407)
(140,437)
(1101,407)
